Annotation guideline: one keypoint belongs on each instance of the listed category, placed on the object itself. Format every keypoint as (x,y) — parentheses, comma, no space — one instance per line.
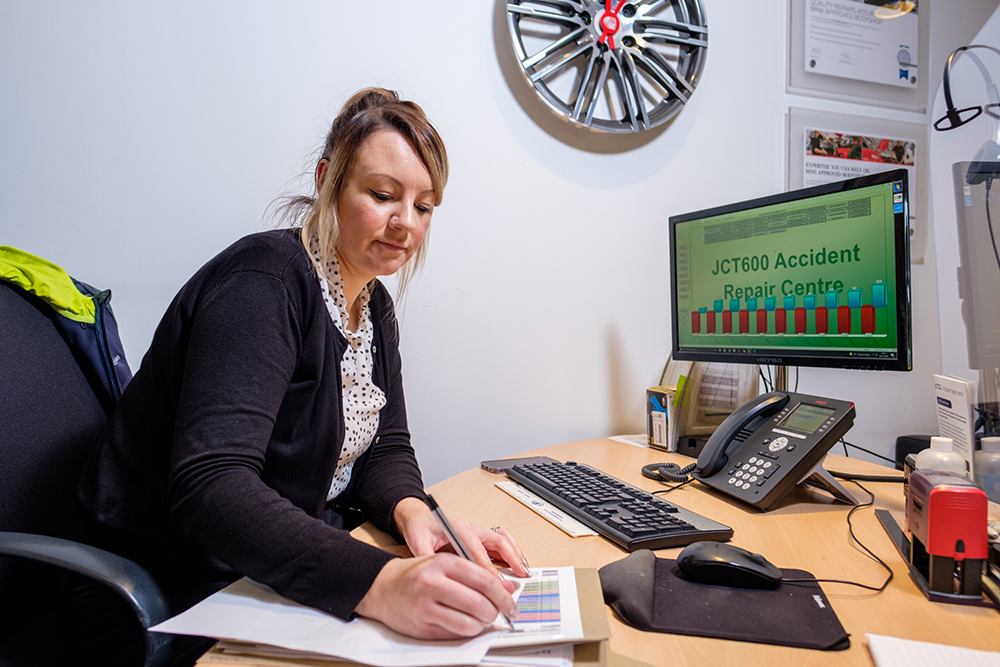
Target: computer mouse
(723,564)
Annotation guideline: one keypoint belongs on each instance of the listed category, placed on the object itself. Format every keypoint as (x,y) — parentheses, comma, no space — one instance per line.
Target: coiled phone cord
(668,472)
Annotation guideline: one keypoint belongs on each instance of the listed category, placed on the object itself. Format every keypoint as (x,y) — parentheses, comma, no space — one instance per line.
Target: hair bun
(368,98)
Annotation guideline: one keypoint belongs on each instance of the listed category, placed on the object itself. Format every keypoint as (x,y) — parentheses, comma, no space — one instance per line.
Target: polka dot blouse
(362,399)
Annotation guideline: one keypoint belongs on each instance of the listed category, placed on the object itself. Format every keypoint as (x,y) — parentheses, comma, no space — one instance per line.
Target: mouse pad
(650,594)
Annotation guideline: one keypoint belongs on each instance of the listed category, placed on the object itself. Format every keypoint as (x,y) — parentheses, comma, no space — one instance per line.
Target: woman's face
(384,208)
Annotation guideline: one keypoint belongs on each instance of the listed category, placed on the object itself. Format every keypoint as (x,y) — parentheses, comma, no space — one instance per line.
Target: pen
(456,541)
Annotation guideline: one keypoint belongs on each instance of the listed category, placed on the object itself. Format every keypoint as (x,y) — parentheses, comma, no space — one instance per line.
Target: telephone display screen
(807,418)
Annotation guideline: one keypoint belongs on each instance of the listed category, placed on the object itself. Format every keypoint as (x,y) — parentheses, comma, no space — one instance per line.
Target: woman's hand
(438,596)
(424,536)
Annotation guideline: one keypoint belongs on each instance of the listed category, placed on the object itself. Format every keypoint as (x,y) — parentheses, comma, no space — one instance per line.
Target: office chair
(50,419)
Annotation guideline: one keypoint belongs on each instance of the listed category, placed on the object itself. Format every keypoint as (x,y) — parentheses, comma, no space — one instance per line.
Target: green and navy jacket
(81,314)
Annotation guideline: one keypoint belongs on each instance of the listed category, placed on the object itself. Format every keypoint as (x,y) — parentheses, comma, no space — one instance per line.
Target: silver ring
(495,529)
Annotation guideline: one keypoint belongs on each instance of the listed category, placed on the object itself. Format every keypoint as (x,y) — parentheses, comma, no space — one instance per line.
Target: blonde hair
(368,111)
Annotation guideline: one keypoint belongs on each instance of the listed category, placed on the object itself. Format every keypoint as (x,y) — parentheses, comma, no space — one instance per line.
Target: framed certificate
(869,51)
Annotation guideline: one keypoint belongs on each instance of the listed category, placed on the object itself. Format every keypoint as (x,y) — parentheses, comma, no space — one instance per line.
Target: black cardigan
(220,454)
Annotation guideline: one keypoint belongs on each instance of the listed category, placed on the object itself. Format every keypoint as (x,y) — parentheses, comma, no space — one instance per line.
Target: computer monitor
(813,277)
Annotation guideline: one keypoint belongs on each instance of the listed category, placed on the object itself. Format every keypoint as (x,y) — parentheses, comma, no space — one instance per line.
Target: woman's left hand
(424,536)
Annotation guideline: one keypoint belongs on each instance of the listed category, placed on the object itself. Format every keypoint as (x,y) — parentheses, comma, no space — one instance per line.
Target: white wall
(968,88)
(139,139)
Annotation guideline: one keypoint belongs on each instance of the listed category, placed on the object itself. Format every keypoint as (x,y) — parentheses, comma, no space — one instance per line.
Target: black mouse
(722,564)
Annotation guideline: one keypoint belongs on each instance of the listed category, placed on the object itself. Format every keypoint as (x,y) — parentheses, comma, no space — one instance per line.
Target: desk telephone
(772,443)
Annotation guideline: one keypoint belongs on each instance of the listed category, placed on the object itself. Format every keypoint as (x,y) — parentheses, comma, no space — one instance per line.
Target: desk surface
(808,531)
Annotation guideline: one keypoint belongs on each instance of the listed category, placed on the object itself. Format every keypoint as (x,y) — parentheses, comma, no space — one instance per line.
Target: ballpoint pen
(456,542)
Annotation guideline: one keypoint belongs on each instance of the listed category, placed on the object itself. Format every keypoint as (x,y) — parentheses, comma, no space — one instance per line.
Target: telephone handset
(772,443)
(714,454)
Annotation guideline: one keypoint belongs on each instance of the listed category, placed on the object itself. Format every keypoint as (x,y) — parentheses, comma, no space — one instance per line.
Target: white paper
(548,607)
(549,656)
(636,439)
(953,397)
(894,652)
(246,611)
(847,38)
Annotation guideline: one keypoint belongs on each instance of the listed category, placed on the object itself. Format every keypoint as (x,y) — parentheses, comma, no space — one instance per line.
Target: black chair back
(50,419)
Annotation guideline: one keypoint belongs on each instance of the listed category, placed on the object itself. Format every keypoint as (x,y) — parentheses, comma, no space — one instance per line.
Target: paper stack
(257,626)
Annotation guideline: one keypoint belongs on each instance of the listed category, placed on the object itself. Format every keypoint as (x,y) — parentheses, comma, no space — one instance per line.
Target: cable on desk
(868,551)
(673,488)
(850,476)
(668,472)
(866,451)
(854,477)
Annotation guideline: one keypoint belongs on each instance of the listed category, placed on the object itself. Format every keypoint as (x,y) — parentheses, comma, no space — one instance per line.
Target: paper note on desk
(894,652)
(246,611)
(548,609)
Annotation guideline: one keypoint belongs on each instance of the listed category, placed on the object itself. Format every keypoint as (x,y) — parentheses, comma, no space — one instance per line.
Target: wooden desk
(808,531)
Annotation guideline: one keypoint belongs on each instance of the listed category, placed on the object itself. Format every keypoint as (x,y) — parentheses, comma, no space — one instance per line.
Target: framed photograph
(825,147)
(869,51)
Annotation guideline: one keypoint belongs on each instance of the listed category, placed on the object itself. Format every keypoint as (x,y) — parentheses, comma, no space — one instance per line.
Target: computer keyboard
(625,514)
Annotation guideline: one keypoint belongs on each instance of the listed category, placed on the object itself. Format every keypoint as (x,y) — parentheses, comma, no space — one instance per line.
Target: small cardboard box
(657,416)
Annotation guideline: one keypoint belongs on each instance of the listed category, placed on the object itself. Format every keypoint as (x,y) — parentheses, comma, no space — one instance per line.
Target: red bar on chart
(780,321)
(744,321)
(727,321)
(843,319)
(710,316)
(761,321)
(800,320)
(696,322)
(822,321)
(867,319)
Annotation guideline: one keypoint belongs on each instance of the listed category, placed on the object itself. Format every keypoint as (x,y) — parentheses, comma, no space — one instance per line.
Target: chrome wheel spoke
(552,48)
(666,31)
(665,74)
(589,88)
(640,103)
(542,15)
(548,71)
(653,6)
(632,93)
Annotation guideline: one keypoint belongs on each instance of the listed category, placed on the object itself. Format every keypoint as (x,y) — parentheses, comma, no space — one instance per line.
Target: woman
(269,412)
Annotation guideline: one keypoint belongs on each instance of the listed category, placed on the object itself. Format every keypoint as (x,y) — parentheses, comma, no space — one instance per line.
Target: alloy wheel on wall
(613,65)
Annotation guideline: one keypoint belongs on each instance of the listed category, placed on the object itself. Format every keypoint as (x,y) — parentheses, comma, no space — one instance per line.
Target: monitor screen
(812,277)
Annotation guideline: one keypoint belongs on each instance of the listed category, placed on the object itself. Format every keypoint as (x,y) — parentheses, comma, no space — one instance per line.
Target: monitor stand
(819,476)
(781,378)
